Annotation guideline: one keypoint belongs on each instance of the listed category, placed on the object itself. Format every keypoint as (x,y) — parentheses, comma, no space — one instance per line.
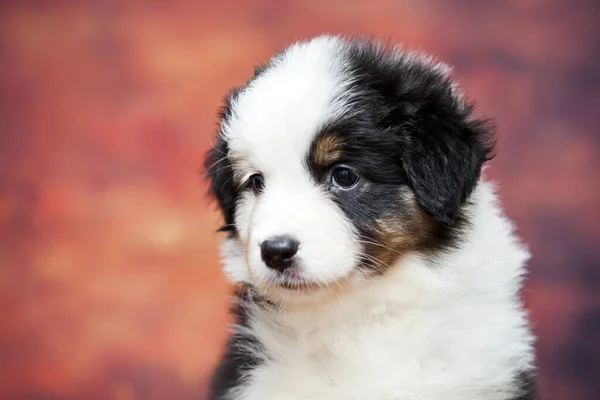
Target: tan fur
(328,149)
(399,234)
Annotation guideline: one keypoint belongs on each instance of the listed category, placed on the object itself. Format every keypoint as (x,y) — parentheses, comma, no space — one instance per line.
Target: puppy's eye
(344,177)
(257,183)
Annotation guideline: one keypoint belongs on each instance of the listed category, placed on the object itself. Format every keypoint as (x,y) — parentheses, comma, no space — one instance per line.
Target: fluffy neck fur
(450,330)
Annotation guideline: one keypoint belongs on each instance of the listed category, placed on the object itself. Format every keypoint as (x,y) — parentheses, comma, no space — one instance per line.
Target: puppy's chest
(349,363)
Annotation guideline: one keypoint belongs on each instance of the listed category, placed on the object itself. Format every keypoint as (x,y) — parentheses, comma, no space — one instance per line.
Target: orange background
(110,286)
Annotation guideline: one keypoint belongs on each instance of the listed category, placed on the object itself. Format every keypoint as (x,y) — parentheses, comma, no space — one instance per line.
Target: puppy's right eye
(344,177)
(257,183)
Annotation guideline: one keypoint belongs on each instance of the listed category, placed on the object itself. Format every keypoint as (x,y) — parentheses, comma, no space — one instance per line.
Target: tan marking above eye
(327,150)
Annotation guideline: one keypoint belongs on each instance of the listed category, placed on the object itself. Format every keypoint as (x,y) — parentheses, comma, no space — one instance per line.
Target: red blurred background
(110,286)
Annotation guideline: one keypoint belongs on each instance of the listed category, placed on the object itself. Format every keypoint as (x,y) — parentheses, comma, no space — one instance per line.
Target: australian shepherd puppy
(372,260)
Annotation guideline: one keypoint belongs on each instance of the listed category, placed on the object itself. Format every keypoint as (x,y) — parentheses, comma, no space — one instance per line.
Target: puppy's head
(338,158)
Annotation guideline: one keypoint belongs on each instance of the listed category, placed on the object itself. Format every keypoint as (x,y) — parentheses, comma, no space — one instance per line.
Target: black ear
(444,154)
(442,146)
(218,171)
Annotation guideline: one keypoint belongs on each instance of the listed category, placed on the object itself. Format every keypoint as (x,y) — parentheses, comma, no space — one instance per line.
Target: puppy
(372,261)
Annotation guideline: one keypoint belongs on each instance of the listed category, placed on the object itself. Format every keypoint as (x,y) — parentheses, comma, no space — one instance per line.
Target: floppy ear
(219,173)
(442,146)
(444,154)
(220,176)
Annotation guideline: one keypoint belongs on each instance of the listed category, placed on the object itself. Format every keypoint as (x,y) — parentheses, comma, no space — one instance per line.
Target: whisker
(374,261)
(223,168)
(217,162)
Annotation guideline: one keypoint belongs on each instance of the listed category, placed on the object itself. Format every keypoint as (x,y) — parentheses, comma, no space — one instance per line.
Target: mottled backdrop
(109,282)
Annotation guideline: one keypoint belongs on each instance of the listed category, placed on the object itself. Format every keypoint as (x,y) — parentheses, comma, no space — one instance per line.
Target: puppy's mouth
(298,287)
(293,279)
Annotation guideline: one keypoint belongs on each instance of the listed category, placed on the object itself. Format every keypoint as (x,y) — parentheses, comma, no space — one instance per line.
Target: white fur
(418,333)
(455,331)
(275,120)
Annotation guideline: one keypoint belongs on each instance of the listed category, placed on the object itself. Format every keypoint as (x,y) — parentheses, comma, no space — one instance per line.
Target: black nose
(277,252)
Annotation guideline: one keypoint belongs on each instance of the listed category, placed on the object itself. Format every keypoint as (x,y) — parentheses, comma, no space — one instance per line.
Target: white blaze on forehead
(275,119)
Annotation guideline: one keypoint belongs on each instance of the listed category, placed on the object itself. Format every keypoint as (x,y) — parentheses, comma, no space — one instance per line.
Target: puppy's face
(337,159)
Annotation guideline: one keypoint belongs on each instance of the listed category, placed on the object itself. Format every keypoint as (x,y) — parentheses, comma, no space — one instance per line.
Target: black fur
(222,186)
(527,386)
(440,146)
(237,359)
(406,129)
(235,362)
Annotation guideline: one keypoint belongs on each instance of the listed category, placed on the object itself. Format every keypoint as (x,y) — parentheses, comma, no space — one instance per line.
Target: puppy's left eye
(344,177)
